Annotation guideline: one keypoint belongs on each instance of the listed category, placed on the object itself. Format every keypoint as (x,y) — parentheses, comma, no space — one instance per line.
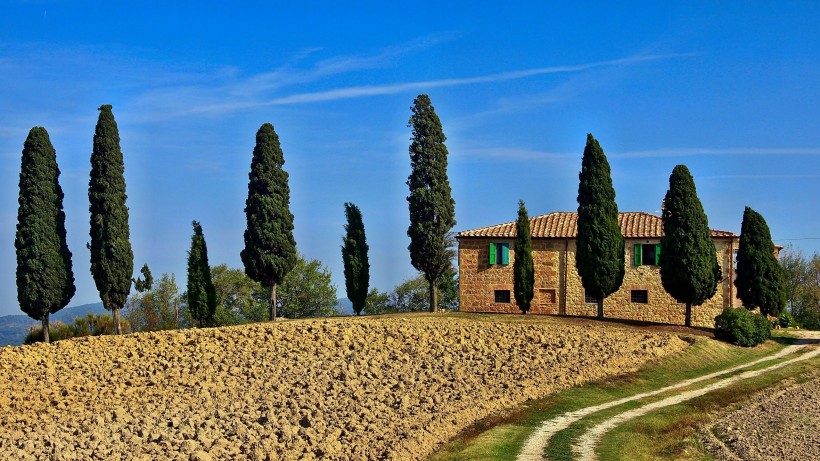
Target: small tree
(144,284)
(600,253)
(270,249)
(148,315)
(239,299)
(307,291)
(432,208)
(690,271)
(201,292)
(523,271)
(759,279)
(354,256)
(45,279)
(112,261)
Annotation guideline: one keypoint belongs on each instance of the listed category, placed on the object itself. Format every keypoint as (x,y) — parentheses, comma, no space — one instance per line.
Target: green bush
(90,325)
(787,320)
(739,326)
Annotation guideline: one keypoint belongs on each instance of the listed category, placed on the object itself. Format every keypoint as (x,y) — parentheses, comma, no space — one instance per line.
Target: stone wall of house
(558,288)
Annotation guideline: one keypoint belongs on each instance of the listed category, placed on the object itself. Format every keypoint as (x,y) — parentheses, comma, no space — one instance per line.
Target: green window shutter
(505,253)
(657,254)
(492,254)
(637,254)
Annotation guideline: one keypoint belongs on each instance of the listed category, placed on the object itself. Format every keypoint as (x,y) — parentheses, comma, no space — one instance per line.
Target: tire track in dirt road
(533,449)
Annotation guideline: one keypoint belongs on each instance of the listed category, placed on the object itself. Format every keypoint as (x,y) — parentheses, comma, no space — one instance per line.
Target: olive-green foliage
(90,325)
(413,294)
(690,271)
(759,279)
(378,302)
(307,291)
(45,279)
(523,271)
(739,326)
(354,256)
(239,299)
(160,308)
(112,261)
(600,253)
(270,249)
(802,286)
(432,208)
(201,292)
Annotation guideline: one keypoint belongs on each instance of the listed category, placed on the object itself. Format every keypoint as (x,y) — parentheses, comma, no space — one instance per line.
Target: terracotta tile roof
(563,224)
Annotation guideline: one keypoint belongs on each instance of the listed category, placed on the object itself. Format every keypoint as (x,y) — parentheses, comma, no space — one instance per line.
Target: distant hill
(13,328)
(344,306)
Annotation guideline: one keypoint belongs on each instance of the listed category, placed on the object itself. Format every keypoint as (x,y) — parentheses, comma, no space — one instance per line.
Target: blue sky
(727,88)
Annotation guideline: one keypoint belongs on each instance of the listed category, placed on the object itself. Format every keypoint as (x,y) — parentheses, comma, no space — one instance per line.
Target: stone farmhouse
(485,264)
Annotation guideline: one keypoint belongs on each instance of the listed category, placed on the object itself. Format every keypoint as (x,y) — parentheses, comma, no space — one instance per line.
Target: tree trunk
(601,309)
(115,314)
(46,337)
(273,302)
(688,321)
(433,297)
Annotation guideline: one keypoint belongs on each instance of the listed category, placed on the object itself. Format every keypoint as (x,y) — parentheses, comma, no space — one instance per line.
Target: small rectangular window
(589,299)
(640,296)
(502,296)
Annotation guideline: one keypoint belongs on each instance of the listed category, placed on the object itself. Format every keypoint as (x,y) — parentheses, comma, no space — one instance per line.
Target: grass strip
(500,437)
(671,433)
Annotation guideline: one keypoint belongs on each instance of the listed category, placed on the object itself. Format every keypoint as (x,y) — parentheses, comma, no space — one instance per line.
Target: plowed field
(390,387)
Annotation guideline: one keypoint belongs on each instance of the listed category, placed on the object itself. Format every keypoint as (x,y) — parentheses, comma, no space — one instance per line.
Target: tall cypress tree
(354,256)
(523,271)
(690,271)
(45,279)
(201,290)
(112,261)
(759,279)
(600,254)
(270,249)
(432,208)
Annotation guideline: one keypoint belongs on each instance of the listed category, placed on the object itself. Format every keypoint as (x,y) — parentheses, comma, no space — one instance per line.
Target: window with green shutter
(647,254)
(499,253)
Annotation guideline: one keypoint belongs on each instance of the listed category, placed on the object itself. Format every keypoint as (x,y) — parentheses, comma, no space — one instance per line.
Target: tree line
(45,278)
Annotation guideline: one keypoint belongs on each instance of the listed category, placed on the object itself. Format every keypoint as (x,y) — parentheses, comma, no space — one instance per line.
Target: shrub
(90,325)
(787,320)
(739,326)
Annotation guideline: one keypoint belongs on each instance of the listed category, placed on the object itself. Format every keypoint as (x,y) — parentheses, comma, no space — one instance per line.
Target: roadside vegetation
(501,436)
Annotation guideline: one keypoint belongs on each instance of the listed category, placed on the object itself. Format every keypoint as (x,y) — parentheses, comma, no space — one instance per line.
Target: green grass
(670,433)
(501,436)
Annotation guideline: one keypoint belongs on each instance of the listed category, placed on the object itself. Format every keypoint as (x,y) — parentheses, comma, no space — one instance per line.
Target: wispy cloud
(376,90)
(690,151)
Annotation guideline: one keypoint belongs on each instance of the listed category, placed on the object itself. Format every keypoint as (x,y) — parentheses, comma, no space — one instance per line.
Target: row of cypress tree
(689,268)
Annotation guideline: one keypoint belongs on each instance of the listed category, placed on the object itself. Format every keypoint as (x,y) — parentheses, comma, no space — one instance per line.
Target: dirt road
(584,448)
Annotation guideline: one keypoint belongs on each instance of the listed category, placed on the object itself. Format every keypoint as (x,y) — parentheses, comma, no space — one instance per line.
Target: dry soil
(369,388)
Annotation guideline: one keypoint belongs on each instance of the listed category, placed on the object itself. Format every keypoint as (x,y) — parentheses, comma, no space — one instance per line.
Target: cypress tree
(600,253)
(432,208)
(354,256)
(759,279)
(201,290)
(690,271)
(45,279)
(270,249)
(112,261)
(523,271)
